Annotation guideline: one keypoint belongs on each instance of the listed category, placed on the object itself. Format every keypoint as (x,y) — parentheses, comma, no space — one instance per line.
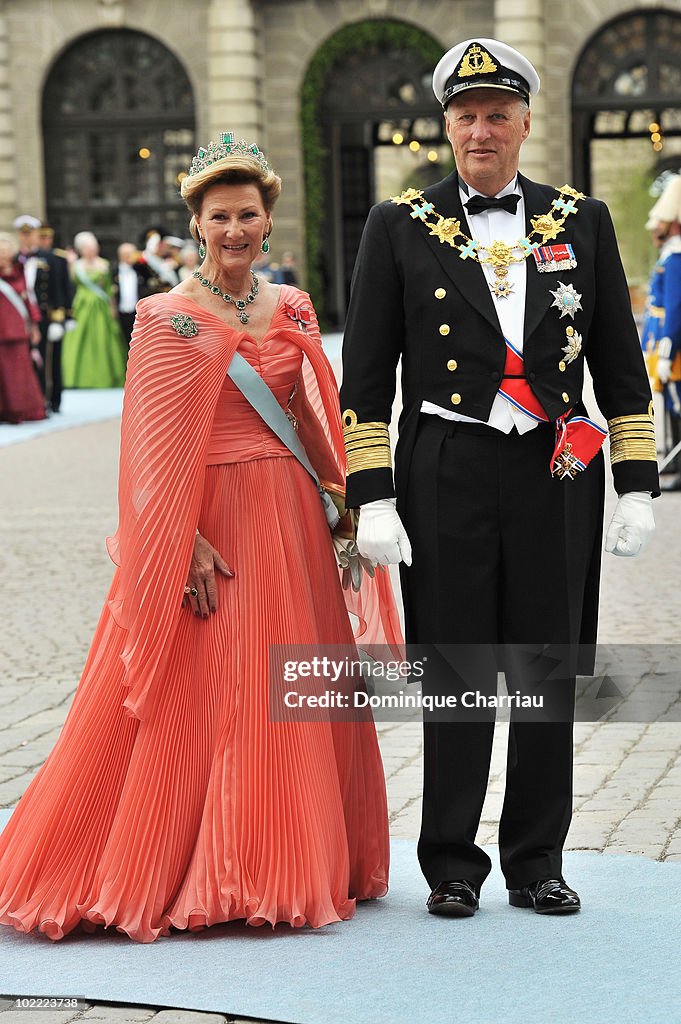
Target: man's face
(28,241)
(486,128)
(126,252)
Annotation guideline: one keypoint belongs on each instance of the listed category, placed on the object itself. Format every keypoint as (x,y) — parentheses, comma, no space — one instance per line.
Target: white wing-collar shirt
(487,227)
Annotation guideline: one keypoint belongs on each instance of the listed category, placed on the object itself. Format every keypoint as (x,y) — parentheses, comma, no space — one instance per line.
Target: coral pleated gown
(171,799)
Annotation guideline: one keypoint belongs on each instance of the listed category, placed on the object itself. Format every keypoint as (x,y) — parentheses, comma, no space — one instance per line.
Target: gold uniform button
(440,293)
(452,364)
(566,397)
(456,399)
(561,366)
(444,329)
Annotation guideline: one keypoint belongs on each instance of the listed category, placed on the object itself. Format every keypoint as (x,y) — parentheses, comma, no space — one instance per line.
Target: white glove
(663,365)
(55,332)
(663,369)
(69,325)
(632,524)
(153,242)
(380,535)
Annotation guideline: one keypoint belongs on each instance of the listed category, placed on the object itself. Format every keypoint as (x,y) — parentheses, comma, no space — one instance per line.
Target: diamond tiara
(215,151)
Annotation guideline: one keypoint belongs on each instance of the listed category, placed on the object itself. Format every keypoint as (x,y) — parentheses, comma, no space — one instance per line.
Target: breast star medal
(573,346)
(566,299)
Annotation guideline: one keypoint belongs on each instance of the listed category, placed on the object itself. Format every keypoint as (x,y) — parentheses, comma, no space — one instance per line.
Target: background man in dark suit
(49,282)
(494,290)
(132,279)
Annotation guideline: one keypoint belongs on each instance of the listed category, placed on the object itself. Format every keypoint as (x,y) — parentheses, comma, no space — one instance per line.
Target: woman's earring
(202,249)
(265,245)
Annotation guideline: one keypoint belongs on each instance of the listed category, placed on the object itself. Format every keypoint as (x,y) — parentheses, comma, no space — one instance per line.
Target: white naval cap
(668,206)
(25,222)
(173,240)
(483,64)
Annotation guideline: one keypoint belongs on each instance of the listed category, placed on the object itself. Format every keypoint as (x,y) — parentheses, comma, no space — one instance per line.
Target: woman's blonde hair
(81,238)
(231,170)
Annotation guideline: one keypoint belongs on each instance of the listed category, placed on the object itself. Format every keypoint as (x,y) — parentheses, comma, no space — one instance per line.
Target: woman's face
(89,248)
(233,222)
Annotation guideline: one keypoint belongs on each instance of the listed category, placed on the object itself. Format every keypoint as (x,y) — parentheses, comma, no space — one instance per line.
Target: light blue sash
(12,296)
(256,392)
(94,288)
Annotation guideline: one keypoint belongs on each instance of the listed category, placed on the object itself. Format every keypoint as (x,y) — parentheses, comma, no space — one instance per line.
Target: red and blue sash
(578,439)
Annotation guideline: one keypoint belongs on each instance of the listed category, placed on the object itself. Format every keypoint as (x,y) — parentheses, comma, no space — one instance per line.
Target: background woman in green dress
(94,354)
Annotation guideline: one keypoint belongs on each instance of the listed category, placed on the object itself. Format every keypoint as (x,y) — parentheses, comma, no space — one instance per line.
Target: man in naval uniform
(494,290)
(49,283)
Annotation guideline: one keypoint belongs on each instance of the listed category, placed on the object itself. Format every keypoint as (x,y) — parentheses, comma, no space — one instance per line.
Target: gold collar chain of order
(498,255)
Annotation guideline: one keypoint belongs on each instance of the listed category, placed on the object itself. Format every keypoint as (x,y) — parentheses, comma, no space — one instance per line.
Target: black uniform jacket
(53,288)
(414,297)
(146,279)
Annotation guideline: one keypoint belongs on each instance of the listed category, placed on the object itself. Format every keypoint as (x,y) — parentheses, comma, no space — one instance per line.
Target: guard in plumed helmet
(495,291)
(664,314)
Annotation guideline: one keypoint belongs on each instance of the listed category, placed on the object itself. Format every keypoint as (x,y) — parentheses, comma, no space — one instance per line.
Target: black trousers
(503,553)
(127,322)
(49,374)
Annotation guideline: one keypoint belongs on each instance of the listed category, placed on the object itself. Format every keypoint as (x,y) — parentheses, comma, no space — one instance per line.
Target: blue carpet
(617,962)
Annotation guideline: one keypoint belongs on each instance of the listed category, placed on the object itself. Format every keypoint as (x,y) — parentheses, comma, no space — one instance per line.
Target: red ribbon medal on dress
(301,315)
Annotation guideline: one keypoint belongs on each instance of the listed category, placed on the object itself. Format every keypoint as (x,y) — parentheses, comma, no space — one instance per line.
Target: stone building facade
(248,65)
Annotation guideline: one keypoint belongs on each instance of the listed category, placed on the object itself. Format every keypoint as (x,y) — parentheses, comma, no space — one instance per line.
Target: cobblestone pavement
(59,502)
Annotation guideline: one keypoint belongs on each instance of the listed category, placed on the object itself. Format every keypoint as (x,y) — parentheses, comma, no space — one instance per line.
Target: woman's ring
(193,591)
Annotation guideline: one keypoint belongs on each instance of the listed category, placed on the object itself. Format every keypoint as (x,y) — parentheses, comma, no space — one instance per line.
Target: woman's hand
(205,561)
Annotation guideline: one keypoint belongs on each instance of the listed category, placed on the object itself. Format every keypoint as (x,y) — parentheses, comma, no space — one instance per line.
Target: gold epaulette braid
(367,445)
(632,437)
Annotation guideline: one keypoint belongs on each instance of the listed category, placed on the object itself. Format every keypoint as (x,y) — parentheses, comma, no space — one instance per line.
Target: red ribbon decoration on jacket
(578,439)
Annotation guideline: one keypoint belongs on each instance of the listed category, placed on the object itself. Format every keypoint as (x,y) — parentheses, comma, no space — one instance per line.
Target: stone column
(8,196)
(520,23)
(234,71)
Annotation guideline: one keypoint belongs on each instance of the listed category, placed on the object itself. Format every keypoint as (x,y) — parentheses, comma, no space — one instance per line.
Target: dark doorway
(118,123)
(374,97)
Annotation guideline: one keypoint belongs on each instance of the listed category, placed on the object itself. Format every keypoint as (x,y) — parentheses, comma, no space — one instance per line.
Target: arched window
(118,122)
(367,87)
(627,85)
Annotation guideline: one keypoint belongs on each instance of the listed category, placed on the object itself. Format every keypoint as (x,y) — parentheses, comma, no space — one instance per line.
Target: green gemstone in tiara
(214,151)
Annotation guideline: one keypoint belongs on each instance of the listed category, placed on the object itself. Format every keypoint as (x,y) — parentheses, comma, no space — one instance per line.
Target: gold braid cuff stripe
(367,445)
(498,255)
(632,437)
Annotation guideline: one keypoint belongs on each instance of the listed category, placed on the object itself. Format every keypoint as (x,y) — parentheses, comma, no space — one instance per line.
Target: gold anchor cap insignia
(476,61)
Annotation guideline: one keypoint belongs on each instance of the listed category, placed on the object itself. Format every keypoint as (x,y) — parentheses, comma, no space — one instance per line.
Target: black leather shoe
(453,899)
(547,896)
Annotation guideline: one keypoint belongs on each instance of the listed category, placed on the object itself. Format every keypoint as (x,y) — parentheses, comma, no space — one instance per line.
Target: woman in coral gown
(173,798)
(94,352)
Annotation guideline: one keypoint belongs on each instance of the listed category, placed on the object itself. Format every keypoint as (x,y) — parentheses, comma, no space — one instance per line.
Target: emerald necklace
(240,304)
